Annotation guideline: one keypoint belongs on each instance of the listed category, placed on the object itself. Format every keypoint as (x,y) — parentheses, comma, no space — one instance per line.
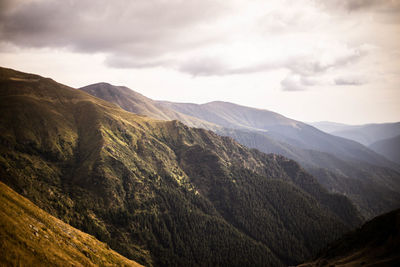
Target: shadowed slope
(376,243)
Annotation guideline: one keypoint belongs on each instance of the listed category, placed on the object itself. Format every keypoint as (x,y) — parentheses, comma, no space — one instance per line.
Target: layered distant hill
(383,138)
(376,243)
(366,134)
(31,237)
(341,165)
(159,192)
(389,147)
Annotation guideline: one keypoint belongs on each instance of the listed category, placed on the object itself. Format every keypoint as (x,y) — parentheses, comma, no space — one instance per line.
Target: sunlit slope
(30,236)
(139,104)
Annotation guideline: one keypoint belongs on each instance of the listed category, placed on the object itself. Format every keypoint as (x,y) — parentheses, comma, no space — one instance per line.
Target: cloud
(362,5)
(353,81)
(293,82)
(143,29)
(199,38)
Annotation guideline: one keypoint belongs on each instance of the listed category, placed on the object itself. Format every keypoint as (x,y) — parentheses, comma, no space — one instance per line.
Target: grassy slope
(30,236)
(376,243)
(186,195)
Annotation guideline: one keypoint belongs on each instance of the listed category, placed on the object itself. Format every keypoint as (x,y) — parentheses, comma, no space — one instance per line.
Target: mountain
(365,134)
(376,243)
(390,148)
(374,189)
(30,236)
(159,192)
(139,104)
(280,128)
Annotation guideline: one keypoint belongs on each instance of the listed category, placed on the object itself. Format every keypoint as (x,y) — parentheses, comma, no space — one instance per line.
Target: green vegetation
(30,236)
(159,192)
(376,243)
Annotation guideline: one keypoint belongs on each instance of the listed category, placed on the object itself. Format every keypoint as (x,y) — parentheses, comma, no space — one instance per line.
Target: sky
(310,60)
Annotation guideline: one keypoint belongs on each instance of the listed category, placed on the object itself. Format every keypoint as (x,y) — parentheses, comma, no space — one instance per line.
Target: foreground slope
(376,243)
(187,196)
(30,236)
(374,189)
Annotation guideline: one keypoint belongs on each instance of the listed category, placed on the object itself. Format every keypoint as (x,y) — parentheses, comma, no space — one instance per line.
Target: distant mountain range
(159,192)
(376,243)
(364,134)
(389,147)
(341,165)
(383,138)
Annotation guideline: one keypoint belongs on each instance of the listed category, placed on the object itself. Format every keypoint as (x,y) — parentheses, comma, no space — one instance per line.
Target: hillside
(376,243)
(30,236)
(372,188)
(188,196)
(390,148)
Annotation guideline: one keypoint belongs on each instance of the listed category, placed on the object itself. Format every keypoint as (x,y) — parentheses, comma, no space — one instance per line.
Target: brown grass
(31,237)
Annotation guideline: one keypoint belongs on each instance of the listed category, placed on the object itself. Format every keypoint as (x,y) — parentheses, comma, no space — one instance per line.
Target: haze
(310,60)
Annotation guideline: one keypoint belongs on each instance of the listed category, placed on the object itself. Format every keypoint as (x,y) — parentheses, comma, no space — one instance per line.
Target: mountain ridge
(280,128)
(362,182)
(187,195)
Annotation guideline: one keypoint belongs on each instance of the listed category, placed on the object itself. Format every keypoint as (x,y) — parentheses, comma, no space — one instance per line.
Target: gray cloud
(151,33)
(385,6)
(143,29)
(293,83)
(353,81)
(212,66)
(206,66)
(305,66)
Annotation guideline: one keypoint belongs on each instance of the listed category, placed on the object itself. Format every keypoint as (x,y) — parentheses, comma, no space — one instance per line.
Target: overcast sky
(311,60)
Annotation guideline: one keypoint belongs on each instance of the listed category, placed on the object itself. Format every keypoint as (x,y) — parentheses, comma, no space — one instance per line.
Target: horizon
(260,55)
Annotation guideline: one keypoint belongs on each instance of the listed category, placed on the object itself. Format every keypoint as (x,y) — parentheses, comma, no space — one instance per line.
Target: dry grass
(31,237)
